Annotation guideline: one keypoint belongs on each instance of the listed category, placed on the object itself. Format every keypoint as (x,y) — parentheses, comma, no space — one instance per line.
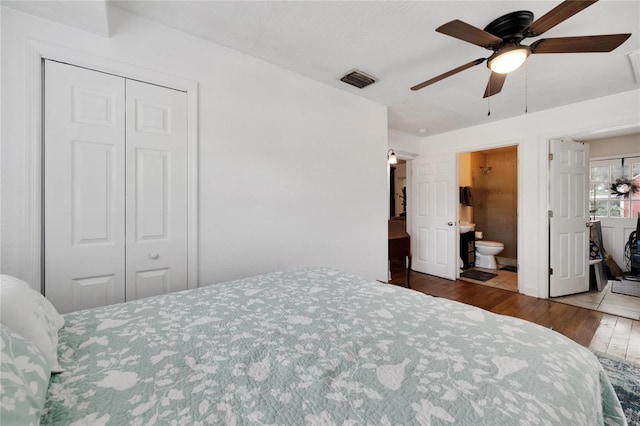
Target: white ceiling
(396,42)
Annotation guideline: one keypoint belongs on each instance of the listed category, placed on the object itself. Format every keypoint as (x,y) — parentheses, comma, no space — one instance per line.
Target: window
(603,201)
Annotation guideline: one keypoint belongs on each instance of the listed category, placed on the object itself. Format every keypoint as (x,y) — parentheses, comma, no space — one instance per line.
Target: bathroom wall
(464,179)
(494,174)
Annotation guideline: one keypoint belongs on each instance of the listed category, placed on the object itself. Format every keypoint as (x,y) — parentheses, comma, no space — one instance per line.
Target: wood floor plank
(578,324)
(620,338)
(604,333)
(596,330)
(633,349)
(584,334)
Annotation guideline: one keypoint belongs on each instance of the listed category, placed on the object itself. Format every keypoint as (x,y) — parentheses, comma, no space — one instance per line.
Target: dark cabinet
(468,249)
(400,245)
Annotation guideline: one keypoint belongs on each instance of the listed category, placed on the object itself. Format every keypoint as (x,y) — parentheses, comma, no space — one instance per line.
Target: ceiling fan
(504,34)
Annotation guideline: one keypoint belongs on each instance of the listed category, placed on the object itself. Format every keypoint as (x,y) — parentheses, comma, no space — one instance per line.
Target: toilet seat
(487,243)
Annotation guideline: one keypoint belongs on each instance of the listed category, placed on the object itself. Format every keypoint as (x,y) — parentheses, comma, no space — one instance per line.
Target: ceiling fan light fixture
(508,59)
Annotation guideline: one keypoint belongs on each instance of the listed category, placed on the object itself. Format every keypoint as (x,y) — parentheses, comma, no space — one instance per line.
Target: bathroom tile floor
(605,301)
(505,280)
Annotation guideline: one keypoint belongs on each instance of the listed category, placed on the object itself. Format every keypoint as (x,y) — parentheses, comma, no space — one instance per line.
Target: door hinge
(550,157)
(550,213)
(550,271)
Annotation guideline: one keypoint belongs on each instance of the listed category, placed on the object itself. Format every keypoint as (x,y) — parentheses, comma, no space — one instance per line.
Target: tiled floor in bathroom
(505,280)
(603,301)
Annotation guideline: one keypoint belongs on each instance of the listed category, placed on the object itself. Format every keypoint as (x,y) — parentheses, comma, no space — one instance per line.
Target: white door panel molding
(36,52)
(116,188)
(568,217)
(433,217)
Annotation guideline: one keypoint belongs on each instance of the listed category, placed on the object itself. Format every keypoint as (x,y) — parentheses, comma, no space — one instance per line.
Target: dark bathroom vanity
(468,249)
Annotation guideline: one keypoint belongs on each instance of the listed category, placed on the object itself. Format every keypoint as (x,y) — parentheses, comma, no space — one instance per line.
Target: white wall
(627,145)
(280,155)
(405,145)
(531,132)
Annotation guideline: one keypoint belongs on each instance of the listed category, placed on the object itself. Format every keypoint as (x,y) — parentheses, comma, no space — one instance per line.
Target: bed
(318,347)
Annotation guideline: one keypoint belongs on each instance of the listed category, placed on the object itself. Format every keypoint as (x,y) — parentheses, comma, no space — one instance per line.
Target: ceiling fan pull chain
(526,88)
(489,97)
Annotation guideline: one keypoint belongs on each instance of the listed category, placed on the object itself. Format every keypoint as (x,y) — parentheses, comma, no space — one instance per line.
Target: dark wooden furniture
(400,245)
(468,249)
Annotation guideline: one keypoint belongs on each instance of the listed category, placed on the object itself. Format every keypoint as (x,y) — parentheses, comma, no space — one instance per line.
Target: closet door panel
(83,187)
(156,241)
(152,195)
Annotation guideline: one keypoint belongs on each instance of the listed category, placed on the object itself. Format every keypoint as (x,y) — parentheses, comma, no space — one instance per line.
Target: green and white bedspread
(319,347)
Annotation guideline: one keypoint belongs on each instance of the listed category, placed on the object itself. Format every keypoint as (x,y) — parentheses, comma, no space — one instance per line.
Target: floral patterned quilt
(319,347)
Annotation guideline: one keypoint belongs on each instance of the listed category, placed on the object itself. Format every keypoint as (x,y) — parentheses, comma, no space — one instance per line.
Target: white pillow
(29,314)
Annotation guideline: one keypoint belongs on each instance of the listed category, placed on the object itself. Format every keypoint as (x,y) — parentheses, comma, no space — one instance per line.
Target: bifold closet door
(84,180)
(156,184)
(115,188)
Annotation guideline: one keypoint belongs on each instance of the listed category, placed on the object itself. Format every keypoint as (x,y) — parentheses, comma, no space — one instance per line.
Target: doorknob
(153,256)
(450,223)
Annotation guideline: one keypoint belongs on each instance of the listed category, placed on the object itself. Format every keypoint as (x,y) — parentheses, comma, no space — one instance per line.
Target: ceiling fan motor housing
(510,27)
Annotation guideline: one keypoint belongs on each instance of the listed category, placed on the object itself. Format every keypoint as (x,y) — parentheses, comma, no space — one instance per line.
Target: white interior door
(434,220)
(569,217)
(156,190)
(115,188)
(84,178)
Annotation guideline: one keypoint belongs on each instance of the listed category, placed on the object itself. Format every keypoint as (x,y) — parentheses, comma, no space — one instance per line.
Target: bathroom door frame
(519,198)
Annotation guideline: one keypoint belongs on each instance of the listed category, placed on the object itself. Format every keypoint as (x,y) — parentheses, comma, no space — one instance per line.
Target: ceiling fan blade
(469,33)
(448,74)
(558,14)
(494,86)
(584,44)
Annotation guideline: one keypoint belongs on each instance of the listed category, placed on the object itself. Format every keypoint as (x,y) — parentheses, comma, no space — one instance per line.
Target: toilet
(486,252)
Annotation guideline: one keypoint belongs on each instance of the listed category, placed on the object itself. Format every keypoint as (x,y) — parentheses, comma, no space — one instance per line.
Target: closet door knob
(153,256)
(450,223)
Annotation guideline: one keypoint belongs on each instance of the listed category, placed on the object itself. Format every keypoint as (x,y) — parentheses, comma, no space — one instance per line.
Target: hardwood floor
(599,331)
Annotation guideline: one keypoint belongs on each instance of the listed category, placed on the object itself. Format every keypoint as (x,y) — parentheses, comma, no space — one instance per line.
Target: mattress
(319,347)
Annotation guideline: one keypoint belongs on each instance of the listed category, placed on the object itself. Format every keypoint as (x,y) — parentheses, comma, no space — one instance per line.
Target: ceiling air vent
(358,79)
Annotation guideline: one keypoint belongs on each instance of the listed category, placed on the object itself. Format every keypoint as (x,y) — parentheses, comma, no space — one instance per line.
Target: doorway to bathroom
(488,217)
